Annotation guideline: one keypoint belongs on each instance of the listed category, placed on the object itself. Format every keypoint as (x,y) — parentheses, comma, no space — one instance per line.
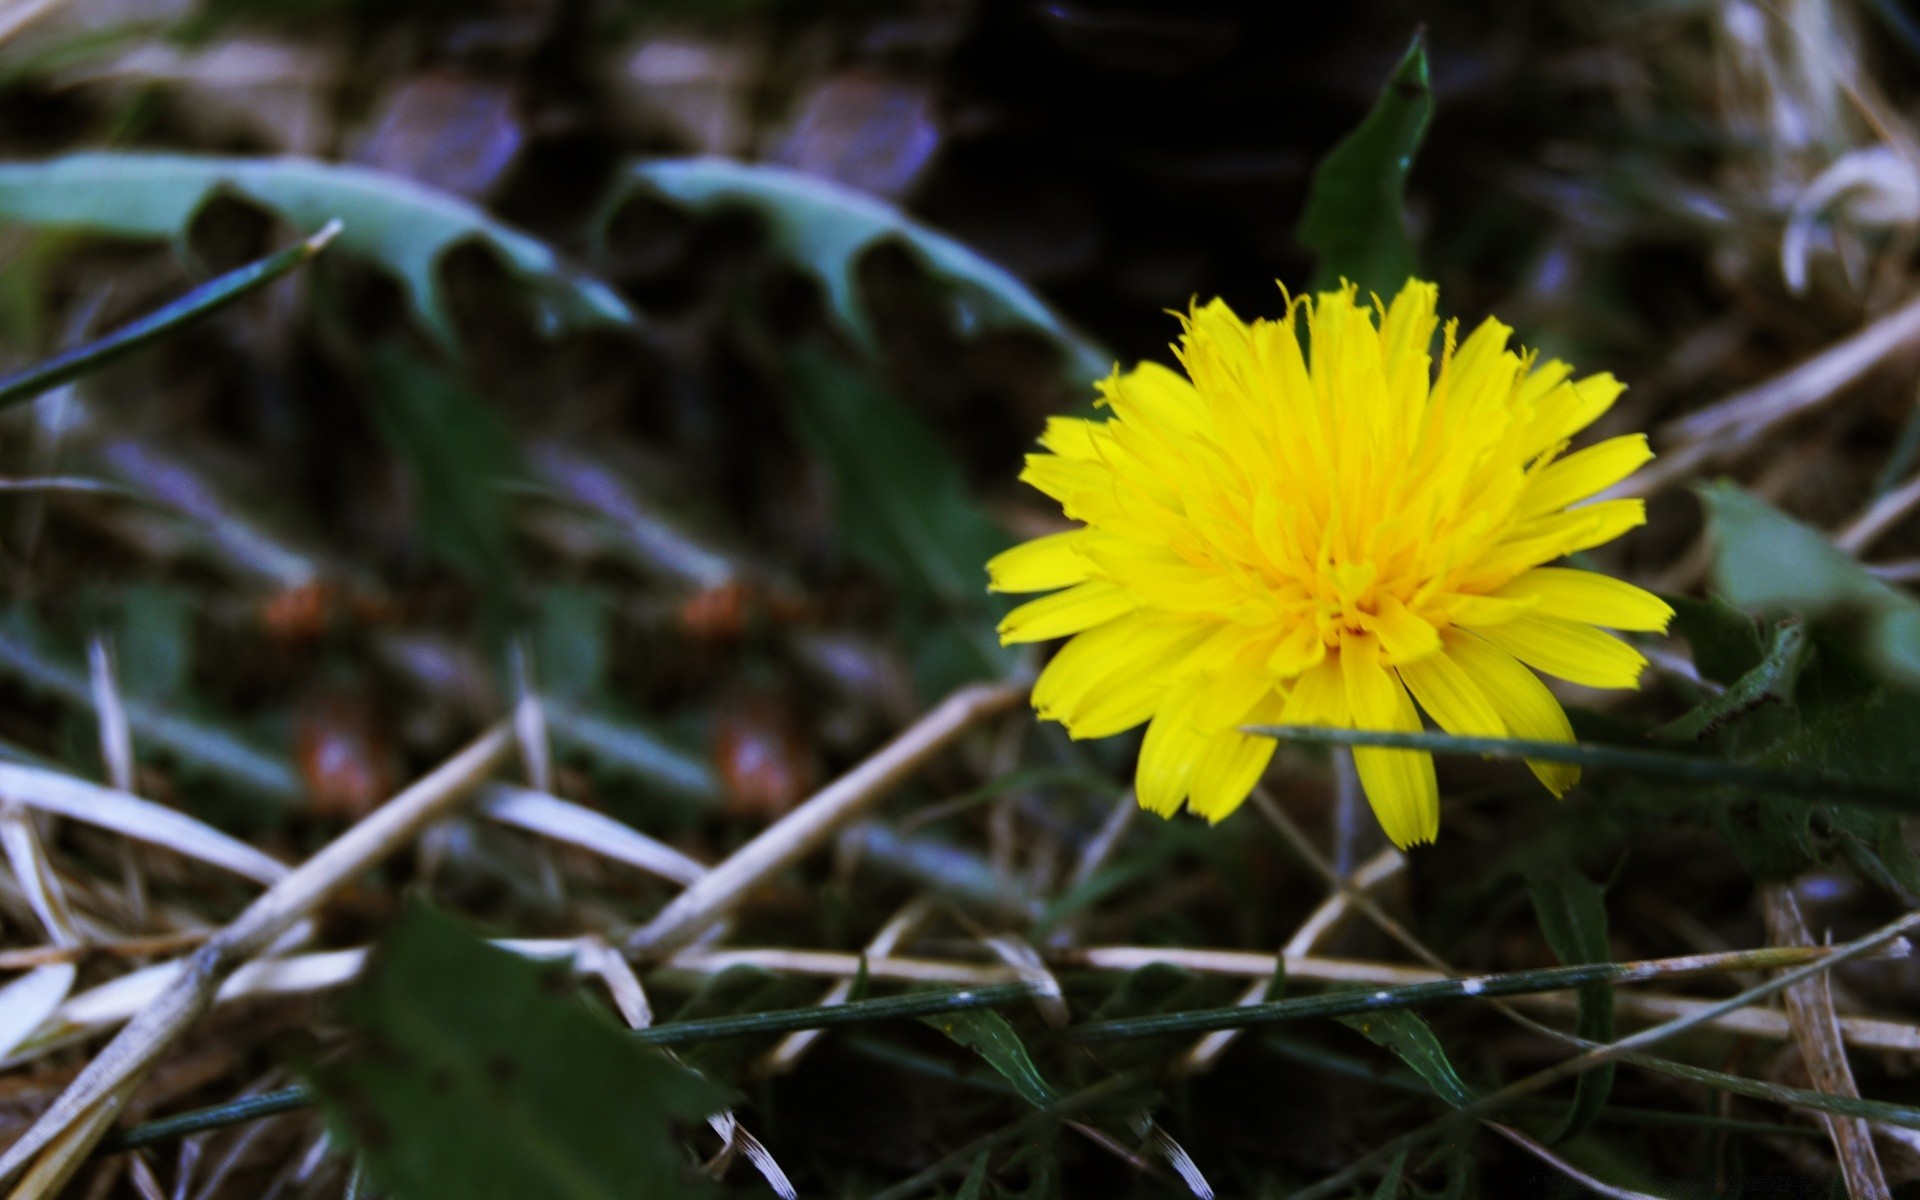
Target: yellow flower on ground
(1328,535)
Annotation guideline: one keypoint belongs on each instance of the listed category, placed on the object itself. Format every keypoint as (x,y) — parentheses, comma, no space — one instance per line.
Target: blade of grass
(206,299)
(1343,1179)
(916,1004)
(1681,768)
(1439,991)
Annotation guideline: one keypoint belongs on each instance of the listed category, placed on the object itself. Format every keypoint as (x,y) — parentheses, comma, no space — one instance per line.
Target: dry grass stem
(127,1058)
(1880,516)
(792,836)
(1731,426)
(564,821)
(142,820)
(1816,1032)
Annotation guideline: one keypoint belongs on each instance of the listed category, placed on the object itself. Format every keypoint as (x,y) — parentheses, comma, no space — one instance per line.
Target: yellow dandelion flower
(1336,536)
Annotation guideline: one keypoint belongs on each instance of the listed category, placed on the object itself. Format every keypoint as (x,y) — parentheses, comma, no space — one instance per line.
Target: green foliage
(202,746)
(1770,681)
(479,1075)
(1354,219)
(403,226)
(992,1037)
(903,509)
(209,297)
(1572,912)
(1413,1041)
(1765,561)
(826,228)
(456,453)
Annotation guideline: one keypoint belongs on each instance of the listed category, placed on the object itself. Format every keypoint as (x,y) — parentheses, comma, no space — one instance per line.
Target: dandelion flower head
(1315,525)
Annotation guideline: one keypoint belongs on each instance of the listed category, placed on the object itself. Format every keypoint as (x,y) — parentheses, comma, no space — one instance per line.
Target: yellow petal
(1171,752)
(1451,697)
(1405,637)
(1523,702)
(1400,784)
(1569,650)
(1041,565)
(1070,437)
(1079,607)
(1232,764)
(1300,650)
(1099,659)
(1591,598)
(1318,696)
(1585,473)
(1477,612)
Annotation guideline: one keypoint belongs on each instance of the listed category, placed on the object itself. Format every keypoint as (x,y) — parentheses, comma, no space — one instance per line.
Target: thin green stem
(207,298)
(1348,1003)
(1683,768)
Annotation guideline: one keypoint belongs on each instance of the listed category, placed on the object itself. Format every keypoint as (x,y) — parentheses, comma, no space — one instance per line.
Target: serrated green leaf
(1573,916)
(400,224)
(1412,1040)
(1767,562)
(826,228)
(989,1035)
(1354,220)
(457,453)
(902,508)
(1771,681)
(479,1075)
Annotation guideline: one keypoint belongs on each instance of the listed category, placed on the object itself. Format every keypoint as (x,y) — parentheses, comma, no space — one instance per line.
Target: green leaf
(1573,915)
(479,1075)
(974,1186)
(1767,562)
(1412,1040)
(1354,218)
(1769,682)
(457,453)
(1389,1188)
(1726,642)
(989,1035)
(209,297)
(826,228)
(903,509)
(632,749)
(400,224)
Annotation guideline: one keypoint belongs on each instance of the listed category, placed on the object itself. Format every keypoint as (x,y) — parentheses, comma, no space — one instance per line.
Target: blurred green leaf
(1389,1188)
(208,298)
(195,743)
(974,1186)
(1354,218)
(1572,912)
(826,228)
(153,640)
(989,1035)
(571,627)
(479,1075)
(1412,1040)
(903,509)
(1771,681)
(1767,562)
(400,224)
(457,453)
(1726,642)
